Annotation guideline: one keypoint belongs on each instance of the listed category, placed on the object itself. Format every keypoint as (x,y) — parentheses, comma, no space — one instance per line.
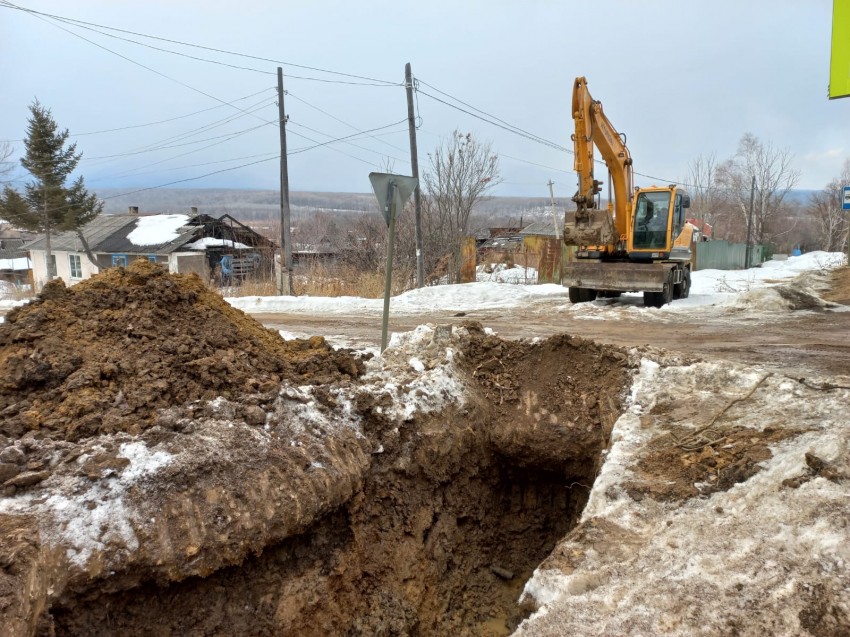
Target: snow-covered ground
(768,556)
(708,287)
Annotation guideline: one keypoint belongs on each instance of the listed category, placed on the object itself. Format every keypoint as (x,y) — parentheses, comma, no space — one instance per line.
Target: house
(15,267)
(182,243)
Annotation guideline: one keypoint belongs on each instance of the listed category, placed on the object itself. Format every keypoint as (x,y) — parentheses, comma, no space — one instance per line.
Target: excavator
(641,242)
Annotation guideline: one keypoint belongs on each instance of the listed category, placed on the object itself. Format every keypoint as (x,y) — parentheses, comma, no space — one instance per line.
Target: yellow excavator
(641,243)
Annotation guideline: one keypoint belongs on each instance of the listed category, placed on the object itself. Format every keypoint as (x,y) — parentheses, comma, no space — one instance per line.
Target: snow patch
(157,229)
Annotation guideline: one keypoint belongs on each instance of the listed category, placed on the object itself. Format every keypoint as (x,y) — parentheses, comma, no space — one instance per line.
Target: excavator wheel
(683,289)
(582,295)
(659,299)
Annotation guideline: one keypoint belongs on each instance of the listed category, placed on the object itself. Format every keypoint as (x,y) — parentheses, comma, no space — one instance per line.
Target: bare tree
(775,176)
(707,196)
(6,166)
(460,172)
(831,221)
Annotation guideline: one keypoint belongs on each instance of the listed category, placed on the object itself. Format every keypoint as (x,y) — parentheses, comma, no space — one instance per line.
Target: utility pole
(748,253)
(285,282)
(414,170)
(554,214)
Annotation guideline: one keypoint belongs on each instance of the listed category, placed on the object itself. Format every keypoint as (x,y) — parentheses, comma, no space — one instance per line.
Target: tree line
(760,177)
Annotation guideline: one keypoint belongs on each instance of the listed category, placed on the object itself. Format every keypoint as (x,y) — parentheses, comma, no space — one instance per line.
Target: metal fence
(722,255)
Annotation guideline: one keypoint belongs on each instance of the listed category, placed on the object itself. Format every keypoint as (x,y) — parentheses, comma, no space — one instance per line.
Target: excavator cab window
(652,213)
(678,216)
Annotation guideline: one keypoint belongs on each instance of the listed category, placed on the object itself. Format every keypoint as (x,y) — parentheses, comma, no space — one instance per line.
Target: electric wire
(124,57)
(161,121)
(378,82)
(341,121)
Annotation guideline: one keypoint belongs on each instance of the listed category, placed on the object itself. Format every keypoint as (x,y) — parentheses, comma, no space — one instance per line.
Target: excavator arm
(589,226)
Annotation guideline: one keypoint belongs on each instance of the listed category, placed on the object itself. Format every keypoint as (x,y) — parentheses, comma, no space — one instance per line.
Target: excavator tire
(582,295)
(659,299)
(683,289)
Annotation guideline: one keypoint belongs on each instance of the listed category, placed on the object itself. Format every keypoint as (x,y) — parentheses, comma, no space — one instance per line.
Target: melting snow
(98,515)
(157,229)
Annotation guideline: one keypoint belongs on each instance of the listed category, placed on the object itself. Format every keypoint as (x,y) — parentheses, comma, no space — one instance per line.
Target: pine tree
(47,204)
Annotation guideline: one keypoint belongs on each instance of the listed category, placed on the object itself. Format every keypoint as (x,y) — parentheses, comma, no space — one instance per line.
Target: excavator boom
(589,226)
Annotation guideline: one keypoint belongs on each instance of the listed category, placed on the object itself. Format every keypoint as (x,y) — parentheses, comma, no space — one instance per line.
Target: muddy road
(801,342)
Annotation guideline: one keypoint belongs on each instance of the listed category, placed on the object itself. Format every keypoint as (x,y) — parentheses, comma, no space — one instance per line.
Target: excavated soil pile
(106,354)
(457,509)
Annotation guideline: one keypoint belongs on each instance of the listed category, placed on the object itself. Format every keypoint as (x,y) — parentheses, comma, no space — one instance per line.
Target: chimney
(134,210)
(194,211)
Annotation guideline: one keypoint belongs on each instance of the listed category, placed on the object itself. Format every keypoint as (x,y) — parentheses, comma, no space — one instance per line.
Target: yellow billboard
(839,61)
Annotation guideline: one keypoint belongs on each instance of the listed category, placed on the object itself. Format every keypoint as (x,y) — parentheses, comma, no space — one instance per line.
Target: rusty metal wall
(468,262)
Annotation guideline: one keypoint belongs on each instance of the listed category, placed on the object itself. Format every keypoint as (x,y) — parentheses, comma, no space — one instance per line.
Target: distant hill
(255,205)
(265,204)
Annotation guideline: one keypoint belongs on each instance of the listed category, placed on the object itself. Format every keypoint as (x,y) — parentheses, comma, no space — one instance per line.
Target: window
(652,214)
(152,258)
(119,259)
(76,266)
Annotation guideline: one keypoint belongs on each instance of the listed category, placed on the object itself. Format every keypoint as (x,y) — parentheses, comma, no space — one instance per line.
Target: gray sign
(392,191)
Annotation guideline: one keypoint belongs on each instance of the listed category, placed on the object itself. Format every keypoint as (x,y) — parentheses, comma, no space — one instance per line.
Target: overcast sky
(680,79)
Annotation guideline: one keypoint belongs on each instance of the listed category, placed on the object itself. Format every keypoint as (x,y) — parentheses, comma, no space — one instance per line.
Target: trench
(447,528)
(408,556)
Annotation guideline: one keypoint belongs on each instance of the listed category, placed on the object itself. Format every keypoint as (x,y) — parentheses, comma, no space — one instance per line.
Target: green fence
(722,255)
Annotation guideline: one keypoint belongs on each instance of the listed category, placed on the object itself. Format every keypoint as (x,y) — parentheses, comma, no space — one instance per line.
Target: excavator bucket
(589,228)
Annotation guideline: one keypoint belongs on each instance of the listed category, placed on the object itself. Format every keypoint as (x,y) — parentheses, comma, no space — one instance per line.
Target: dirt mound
(106,354)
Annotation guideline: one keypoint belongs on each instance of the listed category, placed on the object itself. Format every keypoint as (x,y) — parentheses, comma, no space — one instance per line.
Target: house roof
(11,249)
(96,231)
(161,234)
(151,234)
(545,228)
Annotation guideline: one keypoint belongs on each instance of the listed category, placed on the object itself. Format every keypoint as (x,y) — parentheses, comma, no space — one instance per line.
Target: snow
(20,263)
(210,242)
(97,515)
(708,288)
(157,229)
(501,273)
(760,555)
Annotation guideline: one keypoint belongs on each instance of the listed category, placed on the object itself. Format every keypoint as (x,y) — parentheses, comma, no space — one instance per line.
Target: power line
(341,121)
(514,129)
(158,145)
(500,123)
(368,150)
(162,121)
(378,82)
(37,15)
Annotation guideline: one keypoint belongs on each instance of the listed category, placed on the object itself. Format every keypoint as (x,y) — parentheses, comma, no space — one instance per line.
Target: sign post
(392,192)
(845,205)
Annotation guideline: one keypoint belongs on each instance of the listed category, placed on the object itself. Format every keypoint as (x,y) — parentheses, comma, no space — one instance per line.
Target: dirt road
(802,342)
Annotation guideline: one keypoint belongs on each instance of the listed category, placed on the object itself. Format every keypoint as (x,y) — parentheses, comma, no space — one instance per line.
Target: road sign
(401,186)
(392,192)
(839,61)
(845,202)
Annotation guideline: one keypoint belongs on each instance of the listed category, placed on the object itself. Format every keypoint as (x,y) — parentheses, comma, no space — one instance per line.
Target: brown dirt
(106,354)
(451,518)
(839,286)
(668,472)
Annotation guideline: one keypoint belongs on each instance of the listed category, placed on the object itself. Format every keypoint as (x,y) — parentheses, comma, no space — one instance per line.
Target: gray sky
(680,78)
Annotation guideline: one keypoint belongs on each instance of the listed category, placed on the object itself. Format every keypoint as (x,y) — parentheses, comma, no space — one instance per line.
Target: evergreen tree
(47,204)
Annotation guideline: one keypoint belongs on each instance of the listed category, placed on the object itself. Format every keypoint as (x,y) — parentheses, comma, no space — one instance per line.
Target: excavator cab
(657,222)
(651,220)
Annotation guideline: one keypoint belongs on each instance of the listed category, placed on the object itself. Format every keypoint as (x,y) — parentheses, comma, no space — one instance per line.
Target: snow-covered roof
(210,242)
(155,230)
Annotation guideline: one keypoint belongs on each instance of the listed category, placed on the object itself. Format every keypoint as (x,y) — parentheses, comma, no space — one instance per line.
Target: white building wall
(63,267)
